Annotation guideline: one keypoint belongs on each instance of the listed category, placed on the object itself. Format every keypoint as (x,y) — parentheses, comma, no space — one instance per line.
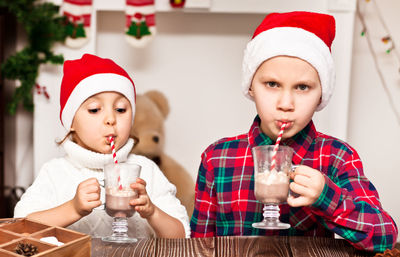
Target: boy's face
(285,89)
(100,116)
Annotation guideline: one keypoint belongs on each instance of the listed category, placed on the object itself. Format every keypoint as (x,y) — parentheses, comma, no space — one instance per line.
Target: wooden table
(242,246)
(229,247)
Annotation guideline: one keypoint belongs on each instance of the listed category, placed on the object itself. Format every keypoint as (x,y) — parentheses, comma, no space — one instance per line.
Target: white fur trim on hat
(295,42)
(95,84)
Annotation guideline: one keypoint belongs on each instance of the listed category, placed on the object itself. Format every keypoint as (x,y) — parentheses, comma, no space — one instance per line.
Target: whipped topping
(125,192)
(272,177)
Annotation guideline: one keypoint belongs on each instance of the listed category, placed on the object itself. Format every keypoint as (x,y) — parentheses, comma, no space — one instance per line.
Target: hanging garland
(391,49)
(44,27)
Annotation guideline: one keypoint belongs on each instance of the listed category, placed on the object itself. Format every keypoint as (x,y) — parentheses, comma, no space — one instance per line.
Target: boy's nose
(286,101)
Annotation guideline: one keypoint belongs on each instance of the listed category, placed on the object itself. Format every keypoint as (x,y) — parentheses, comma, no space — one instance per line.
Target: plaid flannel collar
(300,142)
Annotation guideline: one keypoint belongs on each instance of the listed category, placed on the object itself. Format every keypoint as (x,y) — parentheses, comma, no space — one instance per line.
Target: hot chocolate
(117,202)
(272,187)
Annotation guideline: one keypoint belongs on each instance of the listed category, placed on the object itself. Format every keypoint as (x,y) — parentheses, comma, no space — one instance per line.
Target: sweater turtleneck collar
(86,158)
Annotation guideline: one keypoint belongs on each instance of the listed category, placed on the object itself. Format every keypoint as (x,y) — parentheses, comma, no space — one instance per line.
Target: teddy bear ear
(160,100)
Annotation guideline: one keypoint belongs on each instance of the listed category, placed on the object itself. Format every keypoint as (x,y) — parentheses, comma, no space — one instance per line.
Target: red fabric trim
(150,19)
(86,20)
(79,2)
(139,2)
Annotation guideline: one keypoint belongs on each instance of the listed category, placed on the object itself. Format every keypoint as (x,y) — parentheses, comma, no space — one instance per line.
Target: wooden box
(15,231)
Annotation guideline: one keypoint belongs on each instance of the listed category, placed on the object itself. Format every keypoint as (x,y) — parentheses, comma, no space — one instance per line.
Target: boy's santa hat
(88,76)
(305,35)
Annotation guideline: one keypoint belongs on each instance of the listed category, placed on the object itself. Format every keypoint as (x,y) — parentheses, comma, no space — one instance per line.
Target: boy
(288,71)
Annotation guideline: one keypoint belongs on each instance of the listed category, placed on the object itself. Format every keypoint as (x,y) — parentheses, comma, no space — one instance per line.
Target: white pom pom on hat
(304,35)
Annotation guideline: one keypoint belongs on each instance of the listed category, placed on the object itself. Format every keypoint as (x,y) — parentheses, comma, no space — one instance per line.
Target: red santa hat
(88,76)
(304,35)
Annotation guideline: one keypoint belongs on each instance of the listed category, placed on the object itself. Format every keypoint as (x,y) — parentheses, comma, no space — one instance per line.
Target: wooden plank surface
(322,246)
(194,247)
(143,248)
(252,246)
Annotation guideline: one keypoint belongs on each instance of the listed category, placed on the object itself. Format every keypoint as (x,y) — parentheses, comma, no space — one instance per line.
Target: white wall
(373,128)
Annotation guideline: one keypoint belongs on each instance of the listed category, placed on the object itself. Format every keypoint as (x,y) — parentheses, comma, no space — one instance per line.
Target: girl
(97,101)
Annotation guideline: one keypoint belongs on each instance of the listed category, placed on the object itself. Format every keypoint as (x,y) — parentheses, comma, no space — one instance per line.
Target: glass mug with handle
(272,183)
(118,178)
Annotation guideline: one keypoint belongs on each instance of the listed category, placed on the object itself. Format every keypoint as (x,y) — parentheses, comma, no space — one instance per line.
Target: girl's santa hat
(304,35)
(88,76)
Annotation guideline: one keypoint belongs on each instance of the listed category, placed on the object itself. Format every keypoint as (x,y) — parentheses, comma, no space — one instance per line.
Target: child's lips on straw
(109,137)
(289,124)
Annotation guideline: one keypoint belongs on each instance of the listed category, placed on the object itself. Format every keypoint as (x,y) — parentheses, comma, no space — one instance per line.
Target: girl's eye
(94,110)
(121,110)
(303,87)
(271,84)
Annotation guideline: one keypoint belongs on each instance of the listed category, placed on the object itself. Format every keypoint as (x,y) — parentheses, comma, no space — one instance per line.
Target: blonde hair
(68,135)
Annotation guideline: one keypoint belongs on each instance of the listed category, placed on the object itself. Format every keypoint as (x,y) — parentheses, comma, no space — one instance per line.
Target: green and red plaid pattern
(348,206)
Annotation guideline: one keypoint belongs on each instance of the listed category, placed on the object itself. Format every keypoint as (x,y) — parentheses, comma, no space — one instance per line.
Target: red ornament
(40,90)
(177,3)
(386,39)
(45,93)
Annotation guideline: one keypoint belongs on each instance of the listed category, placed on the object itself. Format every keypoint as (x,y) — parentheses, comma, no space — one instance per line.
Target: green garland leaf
(44,27)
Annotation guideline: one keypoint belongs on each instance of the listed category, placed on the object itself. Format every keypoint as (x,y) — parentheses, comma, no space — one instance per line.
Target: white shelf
(239,6)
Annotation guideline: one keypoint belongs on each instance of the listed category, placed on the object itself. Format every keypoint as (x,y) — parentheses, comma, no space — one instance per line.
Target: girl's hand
(308,183)
(143,204)
(87,196)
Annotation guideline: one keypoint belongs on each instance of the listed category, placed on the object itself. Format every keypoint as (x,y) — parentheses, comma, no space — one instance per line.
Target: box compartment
(7,237)
(14,231)
(41,246)
(24,227)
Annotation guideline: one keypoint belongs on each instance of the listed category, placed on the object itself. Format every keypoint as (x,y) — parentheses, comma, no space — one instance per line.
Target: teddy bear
(152,109)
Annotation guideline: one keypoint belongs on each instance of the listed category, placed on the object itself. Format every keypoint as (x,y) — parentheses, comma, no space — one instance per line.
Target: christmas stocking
(177,3)
(140,22)
(78,13)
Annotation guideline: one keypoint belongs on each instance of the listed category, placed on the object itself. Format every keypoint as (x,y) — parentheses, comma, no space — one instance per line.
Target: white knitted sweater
(58,179)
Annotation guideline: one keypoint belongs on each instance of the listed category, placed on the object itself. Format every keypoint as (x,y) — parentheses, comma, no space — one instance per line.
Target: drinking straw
(114,155)
(278,140)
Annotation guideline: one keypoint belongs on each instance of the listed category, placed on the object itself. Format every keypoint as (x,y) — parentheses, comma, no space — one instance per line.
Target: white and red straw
(278,141)
(114,155)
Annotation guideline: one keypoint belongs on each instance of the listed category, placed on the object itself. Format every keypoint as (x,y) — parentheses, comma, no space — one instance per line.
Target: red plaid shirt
(348,206)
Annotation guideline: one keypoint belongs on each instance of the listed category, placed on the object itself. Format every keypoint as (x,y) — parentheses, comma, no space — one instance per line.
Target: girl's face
(99,117)
(285,89)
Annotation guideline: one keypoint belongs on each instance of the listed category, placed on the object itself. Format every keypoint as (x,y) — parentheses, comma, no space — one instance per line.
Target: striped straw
(278,141)
(114,155)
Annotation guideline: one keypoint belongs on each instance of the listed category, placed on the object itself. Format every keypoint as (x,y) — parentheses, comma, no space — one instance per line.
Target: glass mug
(118,178)
(271,186)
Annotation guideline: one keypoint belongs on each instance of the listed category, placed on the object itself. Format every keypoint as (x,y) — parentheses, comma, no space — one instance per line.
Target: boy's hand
(143,204)
(308,183)
(87,196)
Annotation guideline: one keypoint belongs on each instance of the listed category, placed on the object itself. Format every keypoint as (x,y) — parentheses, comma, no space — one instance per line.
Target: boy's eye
(121,110)
(271,84)
(303,87)
(93,110)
